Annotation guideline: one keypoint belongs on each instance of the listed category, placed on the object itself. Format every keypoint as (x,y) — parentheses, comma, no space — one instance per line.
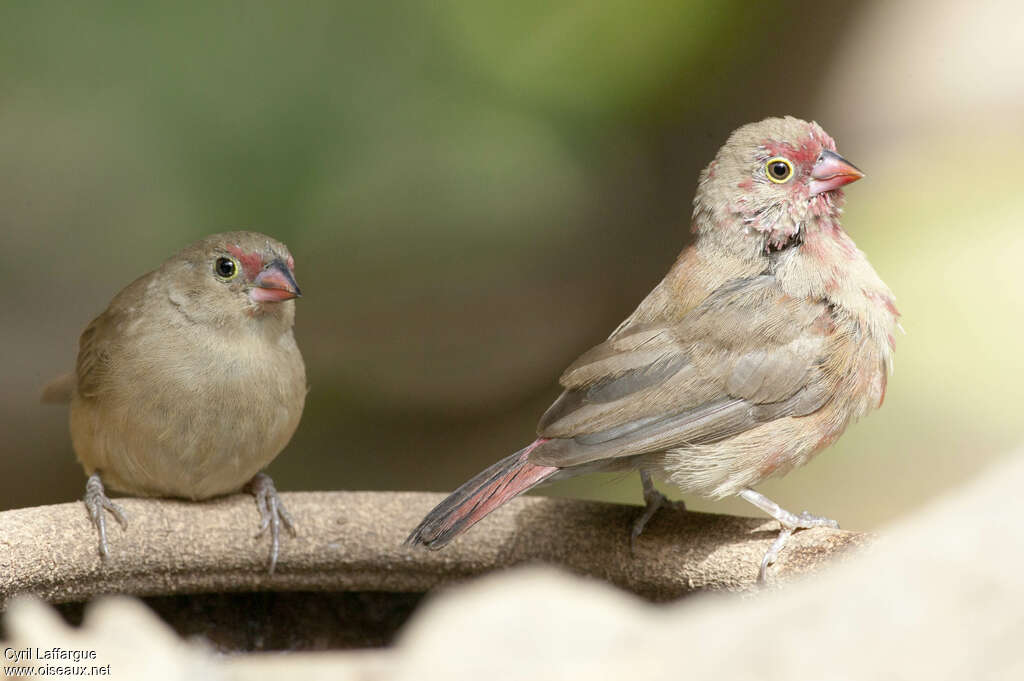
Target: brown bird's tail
(485,492)
(58,391)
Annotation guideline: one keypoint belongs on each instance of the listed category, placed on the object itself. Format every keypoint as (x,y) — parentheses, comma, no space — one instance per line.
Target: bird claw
(96,502)
(790,522)
(807,520)
(653,501)
(272,514)
(772,554)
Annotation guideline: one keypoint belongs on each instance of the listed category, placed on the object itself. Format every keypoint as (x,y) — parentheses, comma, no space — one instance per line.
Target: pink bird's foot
(272,514)
(790,522)
(97,503)
(653,501)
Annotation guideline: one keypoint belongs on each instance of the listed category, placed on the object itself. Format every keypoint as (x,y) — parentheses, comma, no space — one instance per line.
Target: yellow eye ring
(779,170)
(226,268)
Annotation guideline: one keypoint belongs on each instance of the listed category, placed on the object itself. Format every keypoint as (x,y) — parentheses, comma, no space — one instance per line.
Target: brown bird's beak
(274,284)
(832,171)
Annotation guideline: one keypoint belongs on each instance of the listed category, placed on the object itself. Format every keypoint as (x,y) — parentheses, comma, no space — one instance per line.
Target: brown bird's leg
(96,502)
(272,513)
(790,522)
(653,500)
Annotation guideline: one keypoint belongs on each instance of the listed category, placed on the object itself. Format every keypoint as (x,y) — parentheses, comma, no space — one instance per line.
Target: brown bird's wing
(746,355)
(98,342)
(93,357)
(94,349)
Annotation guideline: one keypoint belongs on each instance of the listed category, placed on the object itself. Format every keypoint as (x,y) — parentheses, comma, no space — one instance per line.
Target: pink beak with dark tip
(274,284)
(832,171)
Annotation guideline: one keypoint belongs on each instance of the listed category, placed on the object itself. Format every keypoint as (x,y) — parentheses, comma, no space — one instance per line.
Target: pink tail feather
(485,492)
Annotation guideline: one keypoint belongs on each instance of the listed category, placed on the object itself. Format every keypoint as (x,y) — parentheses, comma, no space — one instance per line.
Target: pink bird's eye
(225,268)
(778,170)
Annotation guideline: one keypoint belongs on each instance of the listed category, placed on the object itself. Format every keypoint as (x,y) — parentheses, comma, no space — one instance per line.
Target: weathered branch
(352,541)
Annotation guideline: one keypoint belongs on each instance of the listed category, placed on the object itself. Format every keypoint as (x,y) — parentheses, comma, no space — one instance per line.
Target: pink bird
(765,340)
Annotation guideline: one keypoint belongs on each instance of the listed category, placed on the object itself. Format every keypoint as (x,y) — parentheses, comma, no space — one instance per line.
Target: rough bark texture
(352,542)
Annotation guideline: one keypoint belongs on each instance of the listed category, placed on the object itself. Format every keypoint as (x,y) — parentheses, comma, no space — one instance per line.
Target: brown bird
(768,336)
(190,382)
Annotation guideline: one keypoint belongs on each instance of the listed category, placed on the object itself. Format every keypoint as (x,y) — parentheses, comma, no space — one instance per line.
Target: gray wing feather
(691,382)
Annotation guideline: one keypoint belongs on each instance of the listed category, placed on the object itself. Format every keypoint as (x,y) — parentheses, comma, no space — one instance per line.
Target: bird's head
(236,274)
(769,182)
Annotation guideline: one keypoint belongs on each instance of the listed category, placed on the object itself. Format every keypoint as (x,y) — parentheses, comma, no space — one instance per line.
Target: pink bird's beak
(274,284)
(832,171)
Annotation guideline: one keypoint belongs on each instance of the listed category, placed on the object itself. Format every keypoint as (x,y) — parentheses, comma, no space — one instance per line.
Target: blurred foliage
(475,193)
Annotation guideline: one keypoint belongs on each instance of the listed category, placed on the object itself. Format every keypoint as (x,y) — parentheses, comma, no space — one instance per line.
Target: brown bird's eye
(778,170)
(225,268)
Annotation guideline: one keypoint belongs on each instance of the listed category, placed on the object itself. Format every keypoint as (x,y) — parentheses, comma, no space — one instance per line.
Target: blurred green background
(477,192)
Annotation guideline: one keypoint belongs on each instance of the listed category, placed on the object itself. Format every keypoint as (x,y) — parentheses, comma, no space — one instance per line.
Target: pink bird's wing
(746,355)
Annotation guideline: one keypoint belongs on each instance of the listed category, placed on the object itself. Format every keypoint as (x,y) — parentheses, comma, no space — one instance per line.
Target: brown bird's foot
(653,500)
(272,514)
(790,522)
(97,502)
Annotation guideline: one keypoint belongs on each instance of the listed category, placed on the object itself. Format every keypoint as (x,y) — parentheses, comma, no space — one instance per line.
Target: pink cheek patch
(291,263)
(252,263)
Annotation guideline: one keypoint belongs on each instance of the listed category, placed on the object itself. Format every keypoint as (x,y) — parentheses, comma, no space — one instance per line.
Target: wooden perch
(352,541)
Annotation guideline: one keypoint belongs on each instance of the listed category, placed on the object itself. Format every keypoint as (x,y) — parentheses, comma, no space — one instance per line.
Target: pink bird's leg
(653,500)
(96,502)
(790,522)
(272,513)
